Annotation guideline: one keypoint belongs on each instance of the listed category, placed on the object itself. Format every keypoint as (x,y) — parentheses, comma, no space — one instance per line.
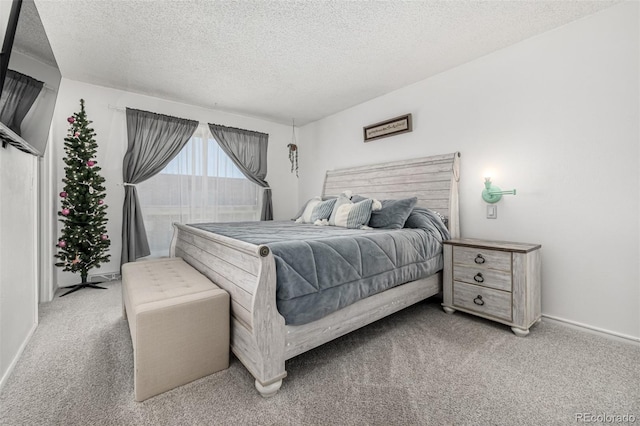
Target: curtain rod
(123,109)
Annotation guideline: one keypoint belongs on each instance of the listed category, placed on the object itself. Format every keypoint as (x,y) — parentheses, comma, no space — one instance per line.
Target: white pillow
(305,217)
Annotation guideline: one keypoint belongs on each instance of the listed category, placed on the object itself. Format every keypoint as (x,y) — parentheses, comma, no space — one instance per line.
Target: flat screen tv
(29,78)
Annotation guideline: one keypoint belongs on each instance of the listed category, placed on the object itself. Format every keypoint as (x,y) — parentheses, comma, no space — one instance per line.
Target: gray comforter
(321,269)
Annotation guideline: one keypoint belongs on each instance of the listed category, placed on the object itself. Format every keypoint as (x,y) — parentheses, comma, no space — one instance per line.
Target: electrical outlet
(492,211)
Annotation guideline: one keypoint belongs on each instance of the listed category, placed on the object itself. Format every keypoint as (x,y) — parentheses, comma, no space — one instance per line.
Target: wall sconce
(493,194)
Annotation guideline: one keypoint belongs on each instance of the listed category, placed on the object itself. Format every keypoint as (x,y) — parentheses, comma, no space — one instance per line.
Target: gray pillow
(394,213)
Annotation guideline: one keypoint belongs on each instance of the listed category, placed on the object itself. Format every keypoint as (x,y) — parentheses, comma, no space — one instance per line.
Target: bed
(260,339)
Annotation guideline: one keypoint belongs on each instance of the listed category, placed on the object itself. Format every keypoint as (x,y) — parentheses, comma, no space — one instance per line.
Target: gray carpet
(419,366)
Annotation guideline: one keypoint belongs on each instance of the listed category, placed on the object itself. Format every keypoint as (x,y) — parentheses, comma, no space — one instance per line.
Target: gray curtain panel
(154,140)
(18,95)
(248,150)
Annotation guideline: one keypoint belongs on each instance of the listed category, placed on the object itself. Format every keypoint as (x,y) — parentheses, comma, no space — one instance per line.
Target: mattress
(321,269)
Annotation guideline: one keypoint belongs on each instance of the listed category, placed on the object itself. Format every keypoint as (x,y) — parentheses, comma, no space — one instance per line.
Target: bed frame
(259,337)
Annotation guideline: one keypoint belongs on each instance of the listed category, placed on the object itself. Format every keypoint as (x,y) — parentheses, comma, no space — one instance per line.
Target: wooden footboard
(247,272)
(301,338)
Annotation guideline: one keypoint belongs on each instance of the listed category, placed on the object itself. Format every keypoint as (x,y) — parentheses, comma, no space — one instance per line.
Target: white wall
(555,117)
(110,126)
(18,255)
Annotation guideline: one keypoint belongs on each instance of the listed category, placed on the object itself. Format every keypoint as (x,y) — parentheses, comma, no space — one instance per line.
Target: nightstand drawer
(482,300)
(482,257)
(492,278)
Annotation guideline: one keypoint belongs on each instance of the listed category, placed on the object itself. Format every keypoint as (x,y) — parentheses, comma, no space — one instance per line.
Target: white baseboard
(7,373)
(596,330)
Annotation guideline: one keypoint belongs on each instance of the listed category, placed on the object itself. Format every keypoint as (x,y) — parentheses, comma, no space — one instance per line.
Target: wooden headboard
(434,180)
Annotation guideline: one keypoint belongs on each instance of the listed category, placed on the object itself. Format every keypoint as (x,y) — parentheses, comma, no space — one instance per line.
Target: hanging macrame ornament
(293,150)
(293,157)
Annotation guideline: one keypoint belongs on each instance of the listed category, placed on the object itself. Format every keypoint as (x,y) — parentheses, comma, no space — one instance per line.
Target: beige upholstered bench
(179,324)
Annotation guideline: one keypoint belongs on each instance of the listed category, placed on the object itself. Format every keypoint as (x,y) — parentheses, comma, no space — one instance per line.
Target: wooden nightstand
(496,280)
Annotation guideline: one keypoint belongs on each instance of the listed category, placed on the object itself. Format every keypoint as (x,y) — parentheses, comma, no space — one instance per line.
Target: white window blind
(201,184)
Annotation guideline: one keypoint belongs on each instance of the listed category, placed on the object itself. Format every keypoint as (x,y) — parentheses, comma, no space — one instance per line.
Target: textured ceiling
(280,60)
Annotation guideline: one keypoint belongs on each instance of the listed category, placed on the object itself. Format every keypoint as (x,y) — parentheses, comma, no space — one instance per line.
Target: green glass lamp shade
(492,194)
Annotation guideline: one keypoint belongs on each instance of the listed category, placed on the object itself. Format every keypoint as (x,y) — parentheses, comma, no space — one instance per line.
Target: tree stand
(83,284)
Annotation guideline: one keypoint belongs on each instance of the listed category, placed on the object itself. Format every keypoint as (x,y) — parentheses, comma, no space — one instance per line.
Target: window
(201,184)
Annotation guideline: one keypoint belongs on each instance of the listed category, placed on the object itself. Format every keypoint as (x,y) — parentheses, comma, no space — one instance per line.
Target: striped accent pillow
(351,215)
(323,210)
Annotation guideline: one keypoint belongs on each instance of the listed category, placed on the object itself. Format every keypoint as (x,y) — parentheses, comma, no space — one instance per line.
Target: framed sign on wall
(391,127)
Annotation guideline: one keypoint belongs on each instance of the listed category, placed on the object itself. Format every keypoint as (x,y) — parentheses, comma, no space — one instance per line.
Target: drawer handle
(479,259)
(478,278)
(478,300)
